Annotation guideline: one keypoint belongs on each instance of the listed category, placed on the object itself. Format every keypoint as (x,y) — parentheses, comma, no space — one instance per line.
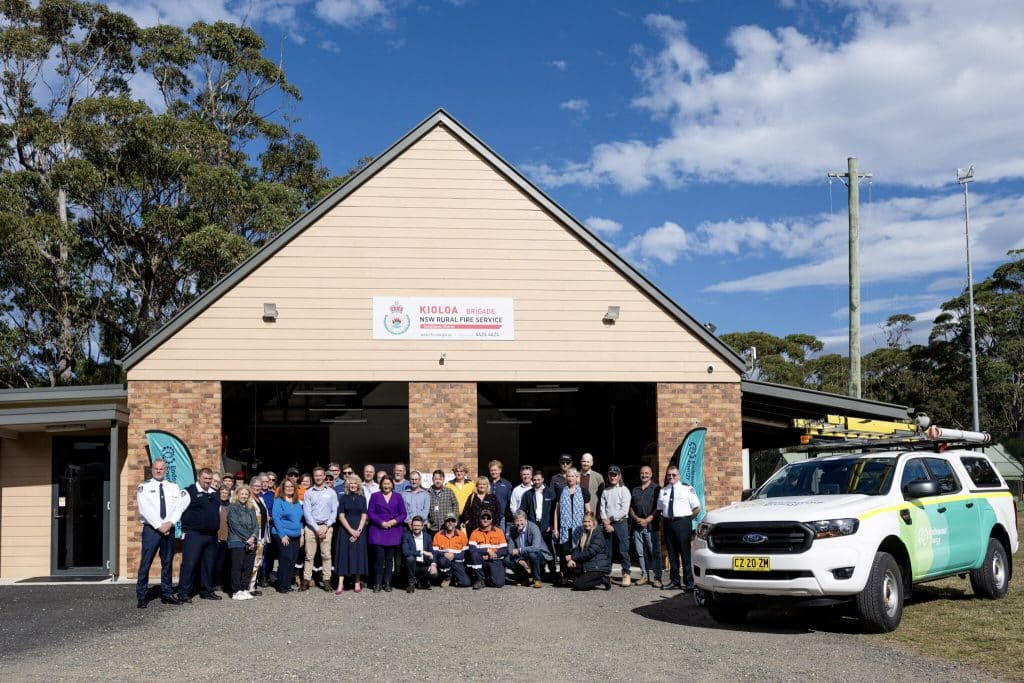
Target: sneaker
(656,583)
(626,581)
(445,583)
(642,581)
(246,595)
(537,584)
(237,595)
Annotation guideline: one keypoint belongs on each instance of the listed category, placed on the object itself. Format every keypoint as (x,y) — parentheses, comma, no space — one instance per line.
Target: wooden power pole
(852,180)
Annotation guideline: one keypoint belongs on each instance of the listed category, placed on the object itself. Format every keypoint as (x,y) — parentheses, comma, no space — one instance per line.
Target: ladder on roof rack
(934,437)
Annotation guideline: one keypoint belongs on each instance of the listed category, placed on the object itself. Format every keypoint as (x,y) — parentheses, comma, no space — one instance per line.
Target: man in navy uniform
(160,506)
(200,523)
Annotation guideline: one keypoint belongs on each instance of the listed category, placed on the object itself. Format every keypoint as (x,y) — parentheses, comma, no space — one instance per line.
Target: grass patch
(945,619)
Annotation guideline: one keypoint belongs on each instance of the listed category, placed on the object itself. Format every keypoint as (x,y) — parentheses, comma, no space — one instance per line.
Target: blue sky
(695,136)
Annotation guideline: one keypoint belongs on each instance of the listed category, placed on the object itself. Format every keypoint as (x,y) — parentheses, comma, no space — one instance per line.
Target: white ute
(862,528)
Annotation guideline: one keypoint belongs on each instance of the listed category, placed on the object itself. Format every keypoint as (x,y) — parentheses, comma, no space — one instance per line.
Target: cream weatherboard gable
(438,219)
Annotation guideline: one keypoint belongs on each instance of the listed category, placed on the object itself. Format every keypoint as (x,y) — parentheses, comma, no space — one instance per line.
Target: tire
(992,579)
(880,604)
(725,612)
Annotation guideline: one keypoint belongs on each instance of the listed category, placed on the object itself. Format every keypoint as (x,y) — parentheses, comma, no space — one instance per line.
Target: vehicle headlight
(830,528)
(703,529)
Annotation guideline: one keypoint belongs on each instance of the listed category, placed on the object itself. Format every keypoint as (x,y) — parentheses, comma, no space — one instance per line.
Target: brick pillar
(681,407)
(189,410)
(442,425)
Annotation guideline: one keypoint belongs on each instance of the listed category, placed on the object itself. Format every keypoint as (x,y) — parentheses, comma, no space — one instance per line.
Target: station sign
(442,317)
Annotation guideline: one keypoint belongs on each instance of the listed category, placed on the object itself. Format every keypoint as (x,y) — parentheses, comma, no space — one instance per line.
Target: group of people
(460,532)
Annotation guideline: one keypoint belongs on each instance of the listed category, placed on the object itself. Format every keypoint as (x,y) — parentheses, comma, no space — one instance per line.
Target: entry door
(81,491)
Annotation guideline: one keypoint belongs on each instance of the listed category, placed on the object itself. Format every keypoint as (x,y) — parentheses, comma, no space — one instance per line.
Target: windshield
(870,476)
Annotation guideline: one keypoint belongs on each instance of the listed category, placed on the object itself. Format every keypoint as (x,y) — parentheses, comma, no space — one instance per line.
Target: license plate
(752,564)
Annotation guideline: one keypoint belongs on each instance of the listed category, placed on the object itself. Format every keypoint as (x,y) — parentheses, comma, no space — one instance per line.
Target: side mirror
(746,494)
(921,489)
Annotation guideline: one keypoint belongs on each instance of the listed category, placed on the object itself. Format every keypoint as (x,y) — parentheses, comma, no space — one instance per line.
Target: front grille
(785,538)
(779,575)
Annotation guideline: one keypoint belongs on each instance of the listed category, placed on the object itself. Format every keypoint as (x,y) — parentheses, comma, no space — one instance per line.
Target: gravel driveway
(81,632)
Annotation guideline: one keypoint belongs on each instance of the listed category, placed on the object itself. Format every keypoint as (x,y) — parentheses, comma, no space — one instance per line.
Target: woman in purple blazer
(386,511)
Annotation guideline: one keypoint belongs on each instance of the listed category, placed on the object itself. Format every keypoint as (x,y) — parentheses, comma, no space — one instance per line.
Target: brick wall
(191,411)
(681,407)
(442,425)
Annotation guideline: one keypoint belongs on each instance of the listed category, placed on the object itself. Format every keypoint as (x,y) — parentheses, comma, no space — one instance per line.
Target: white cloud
(605,226)
(915,90)
(901,239)
(578,106)
(352,13)
(178,13)
(559,64)
(664,243)
(330,46)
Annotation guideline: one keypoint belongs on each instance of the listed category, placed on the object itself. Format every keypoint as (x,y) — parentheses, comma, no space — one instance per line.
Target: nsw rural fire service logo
(396,321)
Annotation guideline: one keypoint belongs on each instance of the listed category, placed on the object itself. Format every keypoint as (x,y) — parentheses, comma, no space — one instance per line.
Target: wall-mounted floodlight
(611,315)
(269,313)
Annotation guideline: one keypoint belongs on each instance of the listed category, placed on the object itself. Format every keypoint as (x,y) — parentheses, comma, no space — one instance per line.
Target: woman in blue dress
(350,537)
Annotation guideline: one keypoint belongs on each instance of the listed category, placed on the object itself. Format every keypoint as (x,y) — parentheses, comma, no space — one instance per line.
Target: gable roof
(438,118)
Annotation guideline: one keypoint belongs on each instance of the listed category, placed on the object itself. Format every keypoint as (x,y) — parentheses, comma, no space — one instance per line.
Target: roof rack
(935,438)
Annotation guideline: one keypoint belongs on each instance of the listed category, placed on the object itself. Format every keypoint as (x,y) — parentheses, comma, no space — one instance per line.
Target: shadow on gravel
(682,610)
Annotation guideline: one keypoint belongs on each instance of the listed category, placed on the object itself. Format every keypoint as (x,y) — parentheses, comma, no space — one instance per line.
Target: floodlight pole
(965,178)
(853,191)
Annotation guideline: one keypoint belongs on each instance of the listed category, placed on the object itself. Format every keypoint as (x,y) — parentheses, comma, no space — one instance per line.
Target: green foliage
(932,378)
(114,215)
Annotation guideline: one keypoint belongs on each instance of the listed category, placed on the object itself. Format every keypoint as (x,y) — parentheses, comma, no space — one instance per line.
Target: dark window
(914,471)
(943,473)
(981,472)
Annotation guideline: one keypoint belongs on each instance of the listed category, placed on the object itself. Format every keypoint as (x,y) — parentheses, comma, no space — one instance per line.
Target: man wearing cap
(449,548)
(228,482)
(160,506)
(678,504)
(487,550)
(615,518)
(443,503)
(558,481)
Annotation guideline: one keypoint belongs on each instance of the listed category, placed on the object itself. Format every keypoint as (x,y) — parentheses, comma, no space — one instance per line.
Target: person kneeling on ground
(527,552)
(418,552)
(589,558)
(449,552)
(487,549)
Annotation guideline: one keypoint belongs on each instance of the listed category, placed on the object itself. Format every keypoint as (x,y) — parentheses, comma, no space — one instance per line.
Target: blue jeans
(648,549)
(535,558)
(618,540)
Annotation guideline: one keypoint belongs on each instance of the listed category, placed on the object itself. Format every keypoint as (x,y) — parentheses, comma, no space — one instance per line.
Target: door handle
(941,510)
(970,505)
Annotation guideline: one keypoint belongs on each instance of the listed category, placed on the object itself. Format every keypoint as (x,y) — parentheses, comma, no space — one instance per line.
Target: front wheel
(992,579)
(880,604)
